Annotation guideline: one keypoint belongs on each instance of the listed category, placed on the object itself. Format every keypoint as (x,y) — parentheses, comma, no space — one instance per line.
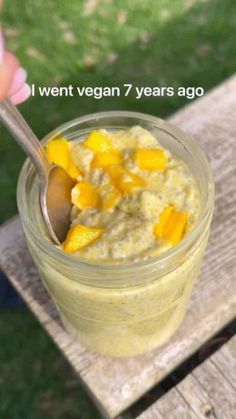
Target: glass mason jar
(128,308)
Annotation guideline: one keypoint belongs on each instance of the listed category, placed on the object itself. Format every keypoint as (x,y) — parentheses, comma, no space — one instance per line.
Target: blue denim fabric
(8,295)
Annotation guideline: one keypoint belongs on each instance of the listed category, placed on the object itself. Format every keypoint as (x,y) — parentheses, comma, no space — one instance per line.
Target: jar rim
(188,241)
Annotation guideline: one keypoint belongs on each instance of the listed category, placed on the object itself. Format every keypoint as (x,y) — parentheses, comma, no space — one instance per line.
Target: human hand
(12,76)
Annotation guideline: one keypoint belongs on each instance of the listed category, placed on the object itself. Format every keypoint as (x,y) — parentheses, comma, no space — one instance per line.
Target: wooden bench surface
(115,384)
(209,391)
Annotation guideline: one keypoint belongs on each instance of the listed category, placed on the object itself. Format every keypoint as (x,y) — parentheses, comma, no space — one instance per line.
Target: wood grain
(116,384)
(209,391)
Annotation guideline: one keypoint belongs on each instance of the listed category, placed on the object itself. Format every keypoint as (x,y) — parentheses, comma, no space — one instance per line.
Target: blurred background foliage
(94,43)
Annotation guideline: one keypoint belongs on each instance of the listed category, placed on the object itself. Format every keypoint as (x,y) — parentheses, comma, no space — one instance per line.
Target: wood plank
(225,359)
(207,392)
(213,304)
(171,406)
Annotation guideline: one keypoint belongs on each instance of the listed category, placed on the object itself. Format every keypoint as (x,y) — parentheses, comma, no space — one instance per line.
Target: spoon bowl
(55,202)
(55,183)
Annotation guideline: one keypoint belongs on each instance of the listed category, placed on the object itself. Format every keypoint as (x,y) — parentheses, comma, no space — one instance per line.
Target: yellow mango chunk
(105,159)
(111,200)
(174,227)
(159,227)
(98,142)
(58,152)
(73,170)
(114,171)
(80,236)
(84,195)
(127,182)
(150,159)
(124,180)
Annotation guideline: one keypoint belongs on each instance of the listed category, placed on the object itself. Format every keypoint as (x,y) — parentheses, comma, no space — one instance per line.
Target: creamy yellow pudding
(132,198)
(123,277)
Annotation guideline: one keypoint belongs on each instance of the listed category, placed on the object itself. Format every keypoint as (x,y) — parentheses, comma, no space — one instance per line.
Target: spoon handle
(17,125)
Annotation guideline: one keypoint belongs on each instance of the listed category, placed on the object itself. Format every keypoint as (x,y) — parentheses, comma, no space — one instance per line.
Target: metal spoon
(55,183)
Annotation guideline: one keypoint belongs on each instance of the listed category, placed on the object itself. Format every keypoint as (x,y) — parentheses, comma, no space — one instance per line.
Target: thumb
(8,67)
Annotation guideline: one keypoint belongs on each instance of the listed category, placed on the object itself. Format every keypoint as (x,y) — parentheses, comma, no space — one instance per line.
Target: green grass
(35,380)
(177,43)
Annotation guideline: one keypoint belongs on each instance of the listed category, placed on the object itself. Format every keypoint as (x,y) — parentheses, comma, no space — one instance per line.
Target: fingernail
(18,81)
(22,95)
